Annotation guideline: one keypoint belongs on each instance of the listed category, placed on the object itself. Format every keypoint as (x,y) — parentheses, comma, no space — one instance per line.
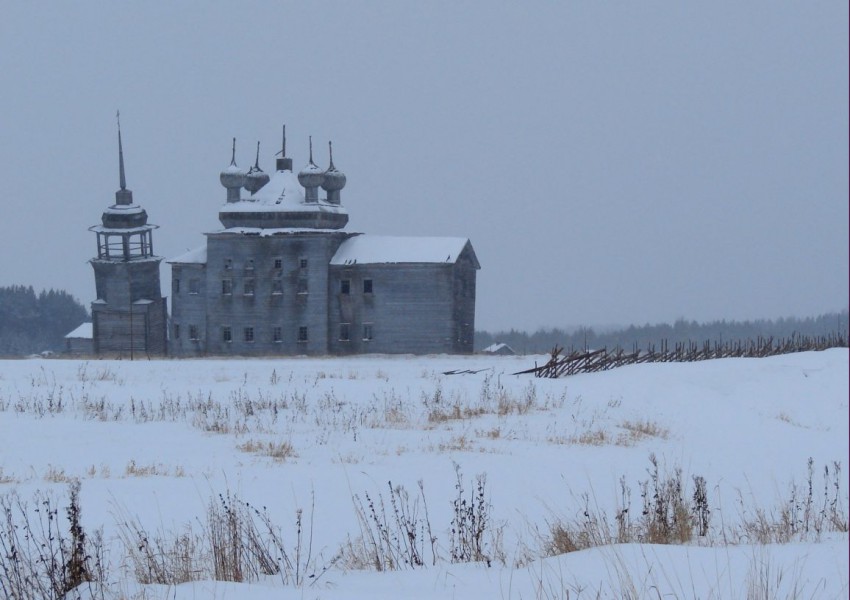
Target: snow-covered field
(154,443)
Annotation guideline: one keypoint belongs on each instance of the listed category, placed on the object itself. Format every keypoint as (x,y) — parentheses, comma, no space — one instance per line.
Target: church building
(283,277)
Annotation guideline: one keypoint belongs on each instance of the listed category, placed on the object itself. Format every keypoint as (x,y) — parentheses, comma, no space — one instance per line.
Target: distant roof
(381,249)
(497,348)
(196,256)
(83,331)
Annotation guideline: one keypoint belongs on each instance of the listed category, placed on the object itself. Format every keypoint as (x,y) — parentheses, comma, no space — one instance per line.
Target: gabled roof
(196,256)
(84,331)
(384,249)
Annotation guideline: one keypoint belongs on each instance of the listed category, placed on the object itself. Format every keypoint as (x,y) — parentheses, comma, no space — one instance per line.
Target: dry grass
(6,478)
(134,469)
(591,437)
(635,431)
(56,475)
(280,451)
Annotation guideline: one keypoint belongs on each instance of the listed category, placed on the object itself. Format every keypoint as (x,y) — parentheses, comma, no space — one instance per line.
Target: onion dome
(334,179)
(256,178)
(311,176)
(232,177)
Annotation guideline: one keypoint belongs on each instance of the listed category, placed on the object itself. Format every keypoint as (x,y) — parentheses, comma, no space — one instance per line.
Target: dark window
(367,332)
(249,265)
(302,334)
(302,286)
(277,286)
(367,286)
(176,286)
(193,332)
(227,286)
(345,286)
(226,334)
(278,263)
(277,334)
(228,264)
(303,263)
(194,285)
(176,331)
(344,332)
(249,334)
(249,286)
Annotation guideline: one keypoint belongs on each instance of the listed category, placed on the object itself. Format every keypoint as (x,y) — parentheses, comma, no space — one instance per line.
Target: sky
(612,163)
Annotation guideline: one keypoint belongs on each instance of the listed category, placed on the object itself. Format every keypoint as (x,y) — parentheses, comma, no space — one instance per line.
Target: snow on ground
(157,441)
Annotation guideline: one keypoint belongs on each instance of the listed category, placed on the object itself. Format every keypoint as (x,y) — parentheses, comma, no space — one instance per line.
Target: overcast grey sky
(611,162)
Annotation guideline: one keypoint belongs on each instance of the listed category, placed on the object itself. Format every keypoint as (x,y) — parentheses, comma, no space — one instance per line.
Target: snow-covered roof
(196,256)
(84,331)
(266,232)
(379,249)
(124,209)
(498,348)
(283,192)
(123,230)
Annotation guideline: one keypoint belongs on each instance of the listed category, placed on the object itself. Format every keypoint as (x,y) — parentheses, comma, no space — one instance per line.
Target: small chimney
(283,163)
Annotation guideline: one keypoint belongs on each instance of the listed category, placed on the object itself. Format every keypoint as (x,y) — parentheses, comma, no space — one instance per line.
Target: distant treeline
(31,322)
(681,331)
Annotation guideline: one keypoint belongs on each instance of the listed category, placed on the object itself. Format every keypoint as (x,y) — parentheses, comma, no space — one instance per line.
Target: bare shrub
(666,518)
(471,523)
(391,540)
(803,515)
(39,558)
(163,557)
(237,542)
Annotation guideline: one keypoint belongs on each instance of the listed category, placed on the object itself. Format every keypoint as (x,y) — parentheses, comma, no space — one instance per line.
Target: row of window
(277,333)
(345,286)
(249,264)
(249,285)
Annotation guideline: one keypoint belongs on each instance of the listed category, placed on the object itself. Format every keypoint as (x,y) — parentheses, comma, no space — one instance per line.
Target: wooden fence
(590,361)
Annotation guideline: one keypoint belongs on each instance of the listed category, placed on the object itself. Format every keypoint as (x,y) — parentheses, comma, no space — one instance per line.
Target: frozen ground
(155,442)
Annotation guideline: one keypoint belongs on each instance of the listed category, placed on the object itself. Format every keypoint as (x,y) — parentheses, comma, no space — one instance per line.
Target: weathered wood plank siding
(263,298)
(416,308)
(255,295)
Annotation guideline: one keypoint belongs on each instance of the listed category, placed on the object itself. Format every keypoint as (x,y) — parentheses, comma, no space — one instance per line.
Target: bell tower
(129,316)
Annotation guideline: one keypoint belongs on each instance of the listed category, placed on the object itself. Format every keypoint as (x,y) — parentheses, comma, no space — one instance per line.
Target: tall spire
(123,195)
(311,151)
(233,154)
(331,153)
(120,153)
